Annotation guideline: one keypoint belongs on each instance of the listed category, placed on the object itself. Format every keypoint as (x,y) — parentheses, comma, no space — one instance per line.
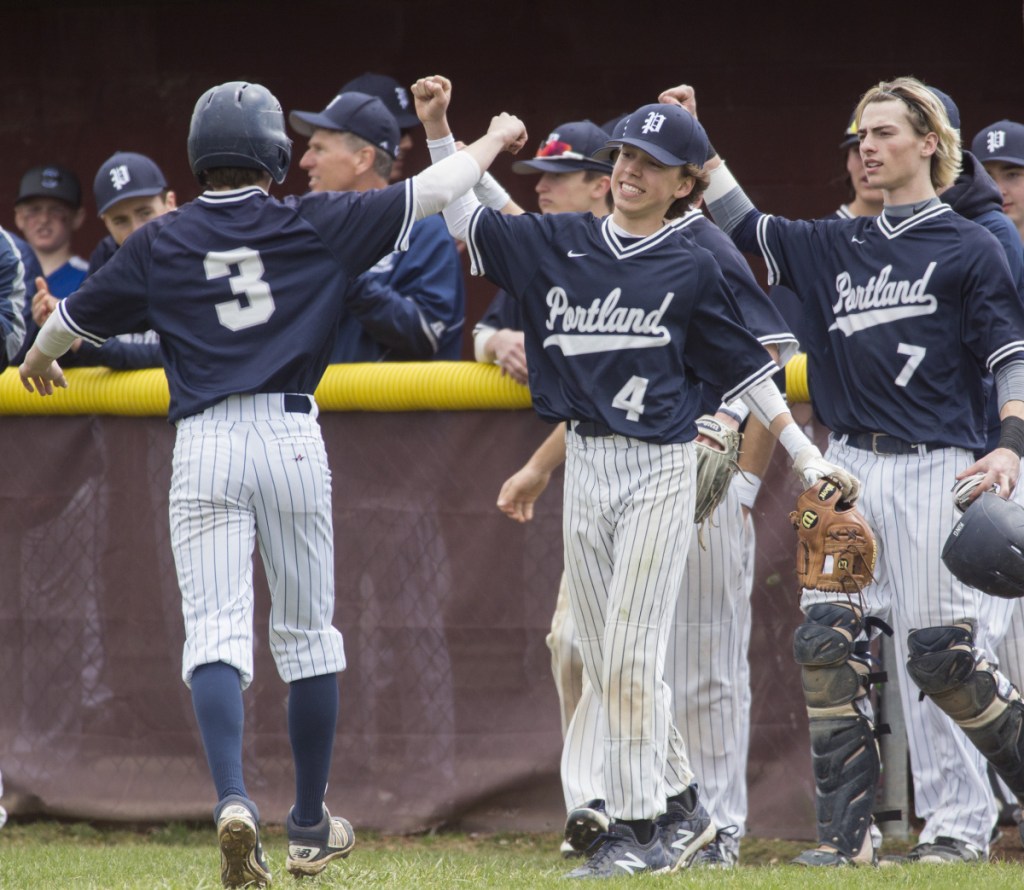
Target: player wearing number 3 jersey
(623,317)
(245,292)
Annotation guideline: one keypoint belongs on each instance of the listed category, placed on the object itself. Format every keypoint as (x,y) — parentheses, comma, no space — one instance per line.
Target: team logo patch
(827,490)
(808,519)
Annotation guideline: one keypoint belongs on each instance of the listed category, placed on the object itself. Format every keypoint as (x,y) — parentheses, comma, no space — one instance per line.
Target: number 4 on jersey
(631,397)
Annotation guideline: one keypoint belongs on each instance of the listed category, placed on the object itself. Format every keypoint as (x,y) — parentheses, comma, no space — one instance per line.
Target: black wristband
(1011,435)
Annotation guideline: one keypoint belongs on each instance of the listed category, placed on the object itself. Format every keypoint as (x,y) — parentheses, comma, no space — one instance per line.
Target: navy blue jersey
(903,318)
(245,290)
(410,306)
(618,331)
(757,313)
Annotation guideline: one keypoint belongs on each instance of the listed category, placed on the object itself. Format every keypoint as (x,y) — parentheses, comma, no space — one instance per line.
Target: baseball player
(397,100)
(412,304)
(225,281)
(12,293)
(954,796)
(1000,147)
(905,312)
(622,316)
(130,190)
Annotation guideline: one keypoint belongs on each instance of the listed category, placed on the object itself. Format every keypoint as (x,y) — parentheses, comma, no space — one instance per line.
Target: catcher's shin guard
(985,705)
(845,758)
(843,749)
(824,646)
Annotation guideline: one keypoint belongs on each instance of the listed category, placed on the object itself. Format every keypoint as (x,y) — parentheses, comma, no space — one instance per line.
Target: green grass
(43,855)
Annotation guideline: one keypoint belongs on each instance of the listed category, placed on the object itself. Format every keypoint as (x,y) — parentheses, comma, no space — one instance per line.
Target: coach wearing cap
(1000,147)
(412,304)
(397,100)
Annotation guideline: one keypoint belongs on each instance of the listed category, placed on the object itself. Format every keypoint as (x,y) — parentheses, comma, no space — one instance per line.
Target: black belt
(590,428)
(880,443)
(294,403)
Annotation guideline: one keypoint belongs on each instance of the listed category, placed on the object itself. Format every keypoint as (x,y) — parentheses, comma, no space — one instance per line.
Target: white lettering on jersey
(604,326)
(995,140)
(652,123)
(880,301)
(249,282)
(119,176)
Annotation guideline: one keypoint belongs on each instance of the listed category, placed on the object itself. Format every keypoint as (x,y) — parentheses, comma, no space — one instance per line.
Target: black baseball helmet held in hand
(986,547)
(239,124)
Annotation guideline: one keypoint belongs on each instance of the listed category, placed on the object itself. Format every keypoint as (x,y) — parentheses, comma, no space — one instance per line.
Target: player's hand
(998,471)
(511,130)
(42,380)
(683,95)
(519,492)
(811,466)
(43,302)
(509,353)
(432,96)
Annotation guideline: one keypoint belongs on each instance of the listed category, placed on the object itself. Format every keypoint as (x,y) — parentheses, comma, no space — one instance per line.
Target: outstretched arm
(522,489)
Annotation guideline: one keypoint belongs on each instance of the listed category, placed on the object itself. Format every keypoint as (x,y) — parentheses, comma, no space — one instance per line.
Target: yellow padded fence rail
(393,386)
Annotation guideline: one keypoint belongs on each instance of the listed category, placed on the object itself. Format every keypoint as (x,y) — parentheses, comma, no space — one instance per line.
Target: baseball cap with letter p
(668,133)
(126,174)
(1001,141)
(363,115)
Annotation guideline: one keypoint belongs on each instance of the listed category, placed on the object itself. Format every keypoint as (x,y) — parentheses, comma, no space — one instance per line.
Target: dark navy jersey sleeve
(411,305)
(619,331)
(502,313)
(757,313)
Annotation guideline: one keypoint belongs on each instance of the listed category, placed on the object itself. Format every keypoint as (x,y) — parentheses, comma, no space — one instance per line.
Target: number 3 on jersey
(631,397)
(249,281)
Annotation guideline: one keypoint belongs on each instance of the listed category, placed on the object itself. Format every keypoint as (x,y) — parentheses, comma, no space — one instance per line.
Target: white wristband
(793,440)
(746,485)
(491,193)
(737,410)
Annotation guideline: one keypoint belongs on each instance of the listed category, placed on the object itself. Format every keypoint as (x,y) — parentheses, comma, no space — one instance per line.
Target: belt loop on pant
(297,403)
(882,443)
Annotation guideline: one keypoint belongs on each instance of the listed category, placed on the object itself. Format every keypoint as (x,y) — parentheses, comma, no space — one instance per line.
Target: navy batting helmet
(239,124)
(986,547)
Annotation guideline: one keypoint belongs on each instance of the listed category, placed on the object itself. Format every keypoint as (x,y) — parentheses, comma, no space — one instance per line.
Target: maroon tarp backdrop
(448,710)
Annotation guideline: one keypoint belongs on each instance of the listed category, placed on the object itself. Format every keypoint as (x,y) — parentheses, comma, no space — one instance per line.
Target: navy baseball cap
(850,136)
(360,113)
(126,174)
(51,181)
(668,133)
(1001,141)
(566,149)
(390,92)
(952,112)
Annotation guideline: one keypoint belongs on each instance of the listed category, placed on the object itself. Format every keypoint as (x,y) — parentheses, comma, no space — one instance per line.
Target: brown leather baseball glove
(835,548)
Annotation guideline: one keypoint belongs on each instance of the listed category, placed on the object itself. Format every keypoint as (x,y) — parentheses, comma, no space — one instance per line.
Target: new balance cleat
(722,852)
(685,828)
(312,848)
(242,863)
(618,853)
(585,825)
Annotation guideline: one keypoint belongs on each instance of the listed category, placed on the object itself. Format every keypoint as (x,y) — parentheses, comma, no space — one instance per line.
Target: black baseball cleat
(685,828)
(242,863)
(618,853)
(311,848)
(585,825)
